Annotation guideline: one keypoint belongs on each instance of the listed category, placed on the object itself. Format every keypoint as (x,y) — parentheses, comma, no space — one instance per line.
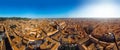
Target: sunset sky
(60,8)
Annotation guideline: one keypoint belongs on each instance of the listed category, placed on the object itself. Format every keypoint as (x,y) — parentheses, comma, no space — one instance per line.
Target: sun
(100,10)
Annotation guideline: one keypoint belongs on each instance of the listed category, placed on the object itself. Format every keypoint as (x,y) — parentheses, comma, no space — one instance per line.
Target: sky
(60,8)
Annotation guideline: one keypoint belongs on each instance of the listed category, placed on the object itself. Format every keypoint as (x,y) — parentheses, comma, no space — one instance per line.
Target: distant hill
(13,18)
